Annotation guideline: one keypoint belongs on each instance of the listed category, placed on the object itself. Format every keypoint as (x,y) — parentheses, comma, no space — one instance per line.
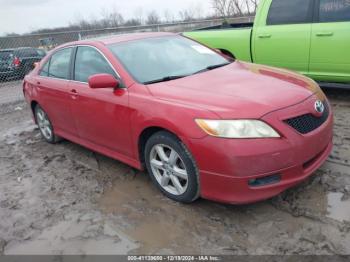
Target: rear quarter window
(45,69)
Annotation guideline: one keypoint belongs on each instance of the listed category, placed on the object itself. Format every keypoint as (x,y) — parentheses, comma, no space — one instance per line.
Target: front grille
(307,123)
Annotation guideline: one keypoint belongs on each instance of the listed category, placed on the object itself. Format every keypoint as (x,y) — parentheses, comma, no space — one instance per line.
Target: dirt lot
(64,199)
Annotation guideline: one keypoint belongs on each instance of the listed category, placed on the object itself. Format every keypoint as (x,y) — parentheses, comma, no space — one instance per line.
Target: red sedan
(202,124)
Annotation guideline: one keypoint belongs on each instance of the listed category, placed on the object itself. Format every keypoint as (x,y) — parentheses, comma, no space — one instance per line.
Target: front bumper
(228,165)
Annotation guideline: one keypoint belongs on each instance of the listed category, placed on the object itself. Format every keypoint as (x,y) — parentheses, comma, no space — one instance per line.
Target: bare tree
(132,22)
(153,18)
(197,10)
(168,16)
(252,5)
(186,15)
(237,7)
(222,8)
(138,14)
(111,18)
(226,8)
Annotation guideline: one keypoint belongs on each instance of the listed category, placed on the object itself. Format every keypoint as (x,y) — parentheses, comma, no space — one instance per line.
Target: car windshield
(160,59)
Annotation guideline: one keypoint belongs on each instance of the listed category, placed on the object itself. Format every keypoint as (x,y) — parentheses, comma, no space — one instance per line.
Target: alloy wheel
(44,124)
(169,169)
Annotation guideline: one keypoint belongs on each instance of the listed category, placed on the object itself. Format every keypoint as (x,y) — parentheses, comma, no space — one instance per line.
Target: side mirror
(103,81)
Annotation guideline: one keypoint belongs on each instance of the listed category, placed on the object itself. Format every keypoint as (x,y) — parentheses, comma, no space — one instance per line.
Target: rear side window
(59,64)
(334,10)
(89,62)
(290,12)
(26,53)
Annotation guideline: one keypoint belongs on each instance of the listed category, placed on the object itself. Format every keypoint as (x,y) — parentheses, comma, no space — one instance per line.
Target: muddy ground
(64,199)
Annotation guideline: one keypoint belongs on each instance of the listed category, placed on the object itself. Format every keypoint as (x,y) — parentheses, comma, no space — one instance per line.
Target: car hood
(240,90)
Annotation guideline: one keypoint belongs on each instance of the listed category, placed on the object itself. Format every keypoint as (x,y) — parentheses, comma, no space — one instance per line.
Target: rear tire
(45,126)
(172,167)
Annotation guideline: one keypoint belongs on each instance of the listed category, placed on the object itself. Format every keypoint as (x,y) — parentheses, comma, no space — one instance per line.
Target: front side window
(90,62)
(59,64)
(153,59)
(290,12)
(334,10)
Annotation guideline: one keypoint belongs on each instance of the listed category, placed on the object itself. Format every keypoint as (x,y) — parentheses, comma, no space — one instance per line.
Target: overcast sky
(22,16)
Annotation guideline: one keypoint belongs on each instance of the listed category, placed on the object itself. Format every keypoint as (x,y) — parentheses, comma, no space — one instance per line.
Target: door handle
(74,94)
(265,36)
(38,85)
(325,34)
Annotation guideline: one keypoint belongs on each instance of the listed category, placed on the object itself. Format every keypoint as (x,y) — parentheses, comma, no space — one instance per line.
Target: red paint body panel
(110,121)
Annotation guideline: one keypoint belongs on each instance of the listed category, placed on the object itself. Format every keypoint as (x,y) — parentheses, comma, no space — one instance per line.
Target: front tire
(45,126)
(172,167)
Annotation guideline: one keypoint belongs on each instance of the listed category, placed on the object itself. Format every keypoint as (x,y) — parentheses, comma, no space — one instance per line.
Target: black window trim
(72,64)
(312,20)
(103,56)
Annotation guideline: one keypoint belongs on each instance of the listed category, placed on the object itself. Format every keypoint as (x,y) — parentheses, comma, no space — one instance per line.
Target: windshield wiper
(164,79)
(208,68)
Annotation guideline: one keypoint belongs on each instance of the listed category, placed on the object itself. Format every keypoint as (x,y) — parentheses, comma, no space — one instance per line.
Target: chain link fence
(18,54)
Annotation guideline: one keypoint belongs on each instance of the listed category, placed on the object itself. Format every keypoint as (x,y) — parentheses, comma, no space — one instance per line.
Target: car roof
(24,48)
(119,38)
(132,37)
(16,49)
(6,50)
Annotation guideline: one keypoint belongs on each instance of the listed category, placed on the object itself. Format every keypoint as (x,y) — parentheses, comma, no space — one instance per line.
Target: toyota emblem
(319,107)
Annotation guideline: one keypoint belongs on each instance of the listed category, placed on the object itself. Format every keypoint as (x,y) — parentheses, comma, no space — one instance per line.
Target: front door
(101,115)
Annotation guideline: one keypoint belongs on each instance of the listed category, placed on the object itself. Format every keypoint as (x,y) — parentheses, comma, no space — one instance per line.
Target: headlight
(237,128)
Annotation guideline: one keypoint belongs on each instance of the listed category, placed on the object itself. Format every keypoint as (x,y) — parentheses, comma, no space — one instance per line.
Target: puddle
(338,209)
(150,218)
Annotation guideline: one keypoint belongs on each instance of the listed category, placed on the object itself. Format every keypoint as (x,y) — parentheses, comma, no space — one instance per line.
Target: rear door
(54,96)
(330,41)
(281,36)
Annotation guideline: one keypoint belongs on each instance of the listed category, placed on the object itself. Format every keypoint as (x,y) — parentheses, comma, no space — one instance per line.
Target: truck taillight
(16,62)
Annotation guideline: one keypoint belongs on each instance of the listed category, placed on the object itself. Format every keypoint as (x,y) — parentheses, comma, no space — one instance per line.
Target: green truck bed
(311,37)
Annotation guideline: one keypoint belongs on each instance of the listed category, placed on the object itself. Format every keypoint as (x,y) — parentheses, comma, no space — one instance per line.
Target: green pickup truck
(308,36)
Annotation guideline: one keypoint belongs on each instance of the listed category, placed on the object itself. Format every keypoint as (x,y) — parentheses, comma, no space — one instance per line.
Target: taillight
(16,62)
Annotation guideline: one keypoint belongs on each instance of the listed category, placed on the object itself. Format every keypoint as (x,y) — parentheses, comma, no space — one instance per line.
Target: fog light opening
(268,180)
